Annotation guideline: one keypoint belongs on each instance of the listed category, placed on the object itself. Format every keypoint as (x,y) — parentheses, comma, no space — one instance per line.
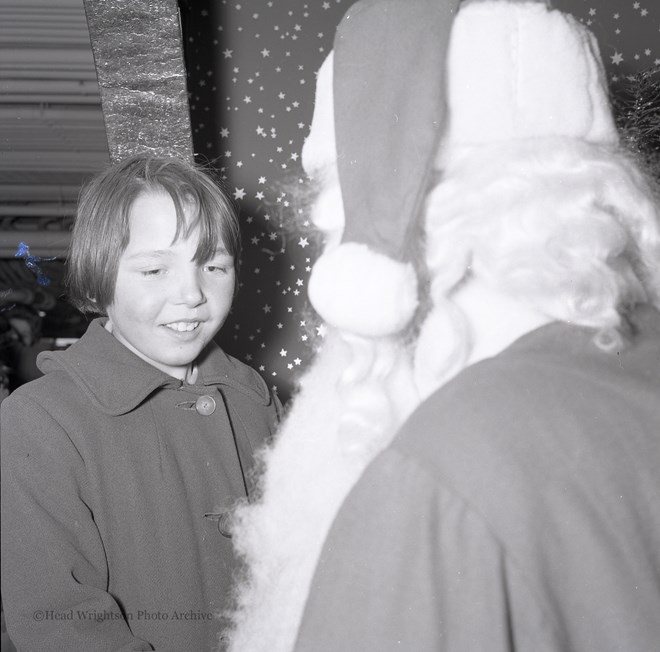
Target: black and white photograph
(330,325)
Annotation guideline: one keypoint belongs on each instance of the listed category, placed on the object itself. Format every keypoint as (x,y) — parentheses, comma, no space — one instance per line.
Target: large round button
(205,405)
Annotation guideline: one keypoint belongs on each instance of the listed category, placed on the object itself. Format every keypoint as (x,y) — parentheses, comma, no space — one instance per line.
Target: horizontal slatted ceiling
(52,135)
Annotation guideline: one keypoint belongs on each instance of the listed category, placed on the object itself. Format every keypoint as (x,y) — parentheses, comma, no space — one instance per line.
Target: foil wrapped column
(142,78)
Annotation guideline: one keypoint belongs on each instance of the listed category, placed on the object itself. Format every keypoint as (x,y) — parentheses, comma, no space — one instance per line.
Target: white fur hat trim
(319,150)
(520,70)
(356,289)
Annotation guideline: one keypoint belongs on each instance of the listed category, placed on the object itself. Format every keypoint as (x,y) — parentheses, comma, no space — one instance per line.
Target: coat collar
(116,380)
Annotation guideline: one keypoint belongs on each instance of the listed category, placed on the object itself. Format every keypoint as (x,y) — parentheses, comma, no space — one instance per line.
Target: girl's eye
(217,269)
(152,272)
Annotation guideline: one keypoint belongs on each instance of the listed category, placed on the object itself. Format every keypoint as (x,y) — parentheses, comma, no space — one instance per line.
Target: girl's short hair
(101,231)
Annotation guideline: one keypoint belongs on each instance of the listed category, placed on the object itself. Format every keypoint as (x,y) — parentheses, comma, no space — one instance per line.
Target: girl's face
(166,307)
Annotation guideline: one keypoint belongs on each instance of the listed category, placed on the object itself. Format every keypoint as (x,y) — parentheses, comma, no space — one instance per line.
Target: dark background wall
(251,78)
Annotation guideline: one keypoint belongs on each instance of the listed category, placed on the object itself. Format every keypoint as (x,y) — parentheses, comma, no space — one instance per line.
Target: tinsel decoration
(637,111)
(142,77)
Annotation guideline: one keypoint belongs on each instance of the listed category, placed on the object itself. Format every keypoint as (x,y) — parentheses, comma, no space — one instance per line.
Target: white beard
(308,472)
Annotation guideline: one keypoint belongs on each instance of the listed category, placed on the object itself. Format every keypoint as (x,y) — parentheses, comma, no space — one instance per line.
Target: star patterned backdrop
(251,76)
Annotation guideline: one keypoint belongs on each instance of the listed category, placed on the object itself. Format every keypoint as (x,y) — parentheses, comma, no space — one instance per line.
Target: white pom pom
(355,289)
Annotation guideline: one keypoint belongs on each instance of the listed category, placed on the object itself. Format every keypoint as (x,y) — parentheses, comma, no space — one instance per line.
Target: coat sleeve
(54,568)
(408,565)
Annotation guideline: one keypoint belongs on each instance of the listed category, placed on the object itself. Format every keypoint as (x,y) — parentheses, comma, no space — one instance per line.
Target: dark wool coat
(116,484)
(517,509)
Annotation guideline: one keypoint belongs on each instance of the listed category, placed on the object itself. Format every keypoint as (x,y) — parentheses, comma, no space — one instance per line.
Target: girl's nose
(190,290)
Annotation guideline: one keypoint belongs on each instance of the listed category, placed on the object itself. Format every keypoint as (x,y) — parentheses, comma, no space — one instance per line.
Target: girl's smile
(183,326)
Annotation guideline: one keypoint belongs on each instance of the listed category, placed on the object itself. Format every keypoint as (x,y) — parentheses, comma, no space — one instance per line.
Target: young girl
(121,464)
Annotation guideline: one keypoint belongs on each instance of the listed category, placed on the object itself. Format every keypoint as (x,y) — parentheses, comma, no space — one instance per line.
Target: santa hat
(505,70)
